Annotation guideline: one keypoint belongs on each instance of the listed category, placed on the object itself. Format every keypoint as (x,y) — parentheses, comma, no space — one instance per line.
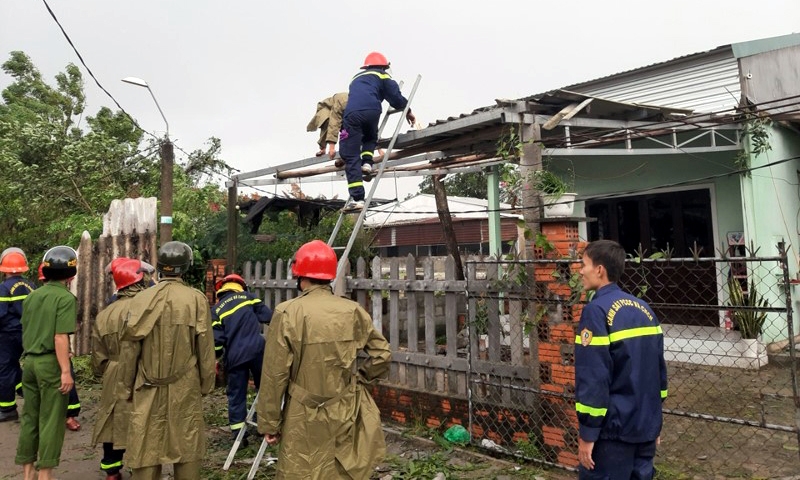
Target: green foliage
(751,321)
(756,128)
(425,467)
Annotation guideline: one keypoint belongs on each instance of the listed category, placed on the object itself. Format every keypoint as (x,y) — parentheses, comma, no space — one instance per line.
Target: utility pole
(167,161)
(167,154)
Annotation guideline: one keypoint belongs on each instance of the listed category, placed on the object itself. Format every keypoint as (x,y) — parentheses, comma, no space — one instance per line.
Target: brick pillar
(215,269)
(556,335)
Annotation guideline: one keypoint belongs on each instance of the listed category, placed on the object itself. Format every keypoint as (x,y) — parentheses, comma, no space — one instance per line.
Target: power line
(89,70)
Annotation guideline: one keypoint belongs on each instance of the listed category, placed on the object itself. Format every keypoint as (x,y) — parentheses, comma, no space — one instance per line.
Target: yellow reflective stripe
(219,347)
(13,299)
(591,411)
(74,406)
(382,76)
(237,307)
(8,404)
(367,154)
(664,394)
(237,426)
(355,184)
(106,466)
(218,322)
(596,341)
(634,332)
(19,386)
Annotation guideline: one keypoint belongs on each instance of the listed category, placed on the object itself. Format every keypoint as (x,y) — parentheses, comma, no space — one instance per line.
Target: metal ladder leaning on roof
(339,270)
(377,178)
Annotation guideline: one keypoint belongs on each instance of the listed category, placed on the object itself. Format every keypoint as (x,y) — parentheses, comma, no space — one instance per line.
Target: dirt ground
(408,457)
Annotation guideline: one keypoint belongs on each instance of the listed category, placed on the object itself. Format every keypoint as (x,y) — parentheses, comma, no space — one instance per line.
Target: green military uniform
(328,119)
(47,311)
(111,420)
(167,362)
(330,426)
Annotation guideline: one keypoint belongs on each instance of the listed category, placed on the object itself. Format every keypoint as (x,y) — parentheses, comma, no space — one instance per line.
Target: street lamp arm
(159,110)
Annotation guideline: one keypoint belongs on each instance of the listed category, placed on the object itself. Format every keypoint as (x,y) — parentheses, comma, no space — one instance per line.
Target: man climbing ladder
(359,133)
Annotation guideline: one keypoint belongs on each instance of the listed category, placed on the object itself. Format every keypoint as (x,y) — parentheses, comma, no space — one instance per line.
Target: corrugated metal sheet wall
(707,83)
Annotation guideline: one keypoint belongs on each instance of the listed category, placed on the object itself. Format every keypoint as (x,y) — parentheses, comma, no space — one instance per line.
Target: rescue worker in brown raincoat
(167,357)
(111,421)
(328,120)
(329,426)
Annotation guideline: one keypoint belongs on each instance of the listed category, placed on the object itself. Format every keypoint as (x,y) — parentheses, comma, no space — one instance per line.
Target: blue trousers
(74,405)
(615,460)
(238,378)
(357,142)
(10,371)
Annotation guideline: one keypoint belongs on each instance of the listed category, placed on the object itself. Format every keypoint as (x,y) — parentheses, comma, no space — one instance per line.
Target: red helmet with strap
(13,260)
(375,59)
(127,273)
(315,259)
(219,286)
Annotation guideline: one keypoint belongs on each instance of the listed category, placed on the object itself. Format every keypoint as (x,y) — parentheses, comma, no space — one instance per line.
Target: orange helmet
(127,272)
(222,284)
(375,59)
(41,272)
(13,260)
(315,259)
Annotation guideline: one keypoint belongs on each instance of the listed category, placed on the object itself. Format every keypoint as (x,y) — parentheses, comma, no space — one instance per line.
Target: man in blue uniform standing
(238,319)
(620,373)
(13,290)
(359,133)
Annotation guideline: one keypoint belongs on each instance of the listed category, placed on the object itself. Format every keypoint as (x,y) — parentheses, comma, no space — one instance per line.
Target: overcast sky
(251,72)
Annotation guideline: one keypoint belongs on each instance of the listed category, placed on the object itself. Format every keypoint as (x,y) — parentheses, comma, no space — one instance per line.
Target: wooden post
(443,209)
(233,228)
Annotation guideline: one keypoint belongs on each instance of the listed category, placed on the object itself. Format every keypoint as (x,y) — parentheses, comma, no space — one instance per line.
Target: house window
(655,221)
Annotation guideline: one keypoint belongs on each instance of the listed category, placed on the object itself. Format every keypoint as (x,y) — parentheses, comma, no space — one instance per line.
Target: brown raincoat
(111,422)
(329,119)
(167,356)
(330,426)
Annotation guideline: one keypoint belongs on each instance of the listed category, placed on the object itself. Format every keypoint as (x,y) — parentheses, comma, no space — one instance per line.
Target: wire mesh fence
(733,404)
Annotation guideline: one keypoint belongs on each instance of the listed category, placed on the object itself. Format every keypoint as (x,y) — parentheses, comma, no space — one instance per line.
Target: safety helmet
(60,263)
(13,260)
(222,285)
(127,273)
(375,59)
(174,259)
(315,259)
(114,263)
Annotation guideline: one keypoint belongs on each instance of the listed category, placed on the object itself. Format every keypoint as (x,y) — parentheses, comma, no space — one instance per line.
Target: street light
(167,161)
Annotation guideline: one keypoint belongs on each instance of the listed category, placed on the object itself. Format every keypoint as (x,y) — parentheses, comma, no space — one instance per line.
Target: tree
(473,184)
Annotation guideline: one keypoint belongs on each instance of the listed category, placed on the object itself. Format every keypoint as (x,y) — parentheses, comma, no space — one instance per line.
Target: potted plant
(556,196)
(749,322)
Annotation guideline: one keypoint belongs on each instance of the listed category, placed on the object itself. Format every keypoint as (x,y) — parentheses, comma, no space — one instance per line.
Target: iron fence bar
(470,275)
(790,330)
(637,261)
(735,421)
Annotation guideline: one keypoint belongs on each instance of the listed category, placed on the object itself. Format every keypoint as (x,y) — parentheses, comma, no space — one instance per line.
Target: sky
(251,73)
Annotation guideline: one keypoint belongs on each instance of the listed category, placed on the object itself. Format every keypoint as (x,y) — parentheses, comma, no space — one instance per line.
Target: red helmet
(375,59)
(127,273)
(115,263)
(13,260)
(231,278)
(315,259)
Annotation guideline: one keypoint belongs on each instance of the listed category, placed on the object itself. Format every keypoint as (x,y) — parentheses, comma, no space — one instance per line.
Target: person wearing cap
(329,426)
(14,289)
(328,119)
(74,401)
(49,316)
(238,319)
(111,426)
(359,135)
(167,364)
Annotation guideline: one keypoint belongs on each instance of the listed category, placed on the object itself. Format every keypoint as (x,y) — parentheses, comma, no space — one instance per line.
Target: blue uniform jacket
(370,88)
(620,372)
(13,291)
(237,319)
